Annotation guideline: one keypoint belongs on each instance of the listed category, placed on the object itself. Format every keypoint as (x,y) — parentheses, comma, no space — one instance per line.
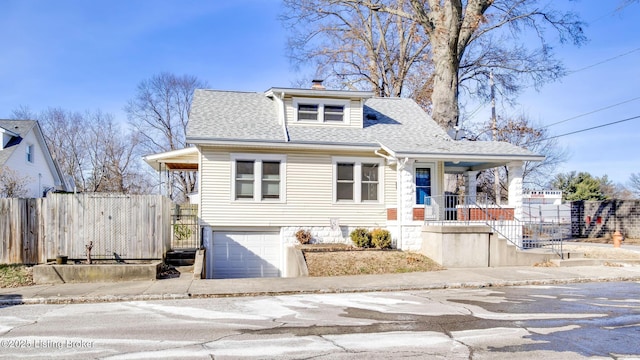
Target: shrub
(381,238)
(182,231)
(303,236)
(361,237)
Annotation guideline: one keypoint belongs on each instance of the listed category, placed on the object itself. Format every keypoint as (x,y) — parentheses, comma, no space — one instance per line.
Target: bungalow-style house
(25,159)
(272,163)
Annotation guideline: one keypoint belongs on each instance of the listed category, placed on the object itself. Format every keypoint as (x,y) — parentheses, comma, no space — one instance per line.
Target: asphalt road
(574,321)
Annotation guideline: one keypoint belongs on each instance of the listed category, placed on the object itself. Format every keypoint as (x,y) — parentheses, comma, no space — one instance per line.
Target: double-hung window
(357,180)
(345,181)
(309,110)
(333,113)
(245,179)
(369,181)
(258,177)
(270,180)
(30,153)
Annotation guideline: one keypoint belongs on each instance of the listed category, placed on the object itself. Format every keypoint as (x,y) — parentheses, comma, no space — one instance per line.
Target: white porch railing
(460,210)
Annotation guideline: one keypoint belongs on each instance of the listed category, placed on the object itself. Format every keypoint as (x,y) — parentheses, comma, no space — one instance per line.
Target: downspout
(284,118)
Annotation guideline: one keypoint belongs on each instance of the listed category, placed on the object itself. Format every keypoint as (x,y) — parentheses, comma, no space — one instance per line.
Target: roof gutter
(322,93)
(9,132)
(280,144)
(480,157)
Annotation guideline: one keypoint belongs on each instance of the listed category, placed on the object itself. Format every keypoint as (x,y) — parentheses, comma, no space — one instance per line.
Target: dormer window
(309,110)
(333,113)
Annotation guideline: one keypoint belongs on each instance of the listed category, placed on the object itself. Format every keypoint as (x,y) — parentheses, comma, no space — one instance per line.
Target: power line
(603,61)
(591,112)
(583,130)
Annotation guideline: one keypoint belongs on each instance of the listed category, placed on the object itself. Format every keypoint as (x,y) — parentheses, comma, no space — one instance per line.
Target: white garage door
(244,255)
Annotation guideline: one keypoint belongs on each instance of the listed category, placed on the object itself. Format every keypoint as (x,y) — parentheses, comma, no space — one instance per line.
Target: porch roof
(186,159)
(468,156)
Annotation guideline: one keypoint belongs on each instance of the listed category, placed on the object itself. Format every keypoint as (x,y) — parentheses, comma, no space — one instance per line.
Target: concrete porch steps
(552,255)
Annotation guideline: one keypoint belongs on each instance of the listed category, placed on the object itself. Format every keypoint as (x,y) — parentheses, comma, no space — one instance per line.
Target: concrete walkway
(185,287)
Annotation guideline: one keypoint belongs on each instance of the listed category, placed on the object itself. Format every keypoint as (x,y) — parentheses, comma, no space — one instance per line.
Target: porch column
(516,171)
(471,185)
(407,189)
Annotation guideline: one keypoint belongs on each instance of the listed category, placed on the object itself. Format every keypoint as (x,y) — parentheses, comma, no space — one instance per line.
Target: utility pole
(494,128)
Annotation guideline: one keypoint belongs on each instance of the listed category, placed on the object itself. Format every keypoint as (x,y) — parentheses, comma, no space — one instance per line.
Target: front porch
(424,202)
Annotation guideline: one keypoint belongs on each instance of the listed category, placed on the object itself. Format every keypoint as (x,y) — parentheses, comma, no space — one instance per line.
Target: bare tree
(92,149)
(520,131)
(467,39)
(12,185)
(160,113)
(356,47)
(115,158)
(634,183)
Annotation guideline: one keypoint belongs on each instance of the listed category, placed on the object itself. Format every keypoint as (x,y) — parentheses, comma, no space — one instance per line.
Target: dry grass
(15,276)
(611,253)
(547,263)
(600,252)
(359,262)
(608,240)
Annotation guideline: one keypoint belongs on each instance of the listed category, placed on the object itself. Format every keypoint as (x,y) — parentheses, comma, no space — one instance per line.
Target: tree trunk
(445,86)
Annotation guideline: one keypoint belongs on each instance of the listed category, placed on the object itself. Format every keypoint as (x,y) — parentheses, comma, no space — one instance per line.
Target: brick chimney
(317,85)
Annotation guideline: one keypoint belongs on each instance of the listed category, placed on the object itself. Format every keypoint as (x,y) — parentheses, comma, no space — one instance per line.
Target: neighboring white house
(328,161)
(24,152)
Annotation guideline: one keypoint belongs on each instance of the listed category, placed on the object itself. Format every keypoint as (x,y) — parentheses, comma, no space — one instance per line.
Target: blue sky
(88,55)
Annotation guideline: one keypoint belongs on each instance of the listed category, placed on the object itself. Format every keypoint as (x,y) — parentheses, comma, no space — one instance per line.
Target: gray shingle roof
(227,115)
(20,127)
(399,124)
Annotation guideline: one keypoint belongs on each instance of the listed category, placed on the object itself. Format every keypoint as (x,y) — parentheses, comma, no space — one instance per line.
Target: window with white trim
(313,110)
(333,113)
(307,112)
(257,177)
(423,185)
(30,154)
(357,180)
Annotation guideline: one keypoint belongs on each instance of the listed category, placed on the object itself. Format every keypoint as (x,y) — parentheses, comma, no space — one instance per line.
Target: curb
(436,286)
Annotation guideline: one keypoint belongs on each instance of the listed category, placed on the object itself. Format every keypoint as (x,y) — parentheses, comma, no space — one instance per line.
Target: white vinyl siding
(309,196)
(390,185)
(356,114)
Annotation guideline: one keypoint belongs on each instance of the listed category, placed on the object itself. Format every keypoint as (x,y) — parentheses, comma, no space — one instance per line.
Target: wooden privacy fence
(120,227)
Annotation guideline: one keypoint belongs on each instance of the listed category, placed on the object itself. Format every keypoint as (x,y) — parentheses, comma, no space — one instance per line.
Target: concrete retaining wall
(295,266)
(58,274)
(457,246)
(474,246)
